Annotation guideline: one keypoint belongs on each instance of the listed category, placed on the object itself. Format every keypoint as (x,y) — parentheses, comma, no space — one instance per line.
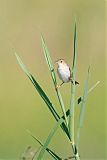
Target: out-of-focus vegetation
(20,106)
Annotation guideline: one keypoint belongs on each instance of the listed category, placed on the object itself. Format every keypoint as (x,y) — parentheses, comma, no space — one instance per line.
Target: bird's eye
(61,61)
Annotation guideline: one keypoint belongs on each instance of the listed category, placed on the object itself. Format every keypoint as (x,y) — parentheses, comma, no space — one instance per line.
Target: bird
(64,72)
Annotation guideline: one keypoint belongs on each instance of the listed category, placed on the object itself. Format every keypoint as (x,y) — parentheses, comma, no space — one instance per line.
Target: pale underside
(64,73)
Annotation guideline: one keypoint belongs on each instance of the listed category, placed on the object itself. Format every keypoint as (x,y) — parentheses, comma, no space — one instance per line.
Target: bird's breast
(64,73)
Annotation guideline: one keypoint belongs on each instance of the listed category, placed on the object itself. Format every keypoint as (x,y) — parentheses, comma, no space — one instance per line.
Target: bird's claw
(57,87)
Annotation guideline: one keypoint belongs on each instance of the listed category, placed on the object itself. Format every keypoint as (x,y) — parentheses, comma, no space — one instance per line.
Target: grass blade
(51,68)
(49,138)
(72,103)
(39,89)
(48,60)
(62,106)
(82,109)
(54,155)
(90,90)
(79,100)
(93,87)
(42,94)
(55,114)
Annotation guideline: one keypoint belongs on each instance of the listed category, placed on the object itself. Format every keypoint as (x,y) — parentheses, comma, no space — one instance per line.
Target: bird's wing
(70,74)
(70,78)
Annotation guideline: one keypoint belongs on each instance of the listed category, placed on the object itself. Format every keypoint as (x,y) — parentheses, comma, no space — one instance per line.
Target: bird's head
(61,62)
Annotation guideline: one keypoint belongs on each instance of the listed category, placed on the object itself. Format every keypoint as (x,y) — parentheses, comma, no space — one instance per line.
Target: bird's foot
(57,87)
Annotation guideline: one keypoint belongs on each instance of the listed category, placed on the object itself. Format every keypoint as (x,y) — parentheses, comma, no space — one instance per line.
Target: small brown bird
(64,72)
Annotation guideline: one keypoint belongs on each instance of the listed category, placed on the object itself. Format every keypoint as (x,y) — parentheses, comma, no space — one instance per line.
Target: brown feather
(70,78)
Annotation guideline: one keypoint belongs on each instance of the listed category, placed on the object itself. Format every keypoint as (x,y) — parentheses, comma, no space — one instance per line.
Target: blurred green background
(21,108)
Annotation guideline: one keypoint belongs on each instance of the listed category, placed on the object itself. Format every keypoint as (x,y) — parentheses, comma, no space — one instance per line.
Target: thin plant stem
(71,116)
(51,68)
(82,109)
(72,104)
(62,105)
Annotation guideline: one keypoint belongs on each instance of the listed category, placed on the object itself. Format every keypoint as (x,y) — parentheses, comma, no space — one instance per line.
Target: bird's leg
(61,84)
(58,86)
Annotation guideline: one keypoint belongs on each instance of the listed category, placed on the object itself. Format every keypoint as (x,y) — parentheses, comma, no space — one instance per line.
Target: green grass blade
(46,99)
(74,58)
(79,100)
(62,106)
(51,68)
(38,88)
(93,87)
(82,109)
(42,94)
(51,107)
(72,103)
(54,155)
(49,138)
(48,60)
(90,90)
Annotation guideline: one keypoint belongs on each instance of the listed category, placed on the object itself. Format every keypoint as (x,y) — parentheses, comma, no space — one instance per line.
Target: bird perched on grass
(64,72)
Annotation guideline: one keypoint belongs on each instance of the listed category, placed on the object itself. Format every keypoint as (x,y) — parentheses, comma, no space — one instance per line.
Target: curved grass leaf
(82,109)
(49,138)
(39,89)
(42,94)
(54,155)
(51,68)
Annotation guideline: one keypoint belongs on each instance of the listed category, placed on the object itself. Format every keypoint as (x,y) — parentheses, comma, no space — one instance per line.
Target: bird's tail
(75,82)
